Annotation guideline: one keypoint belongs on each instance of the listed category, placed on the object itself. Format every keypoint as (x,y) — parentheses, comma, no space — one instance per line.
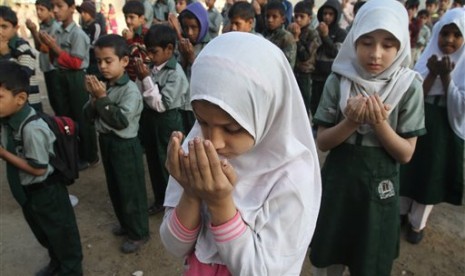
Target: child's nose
(217,139)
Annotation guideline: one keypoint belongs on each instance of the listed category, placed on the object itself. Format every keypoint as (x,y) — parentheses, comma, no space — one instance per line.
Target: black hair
(460,2)
(117,42)
(423,12)
(45,3)
(69,2)
(276,5)
(311,3)
(8,15)
(241,9)
(134,7)
(187,14)
(303,7)
(358,5)
(160,36)
(13,77)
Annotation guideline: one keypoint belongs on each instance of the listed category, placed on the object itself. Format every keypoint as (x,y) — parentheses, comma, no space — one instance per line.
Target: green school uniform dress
(358,224)
(44,199)
(435,176)
(116,119)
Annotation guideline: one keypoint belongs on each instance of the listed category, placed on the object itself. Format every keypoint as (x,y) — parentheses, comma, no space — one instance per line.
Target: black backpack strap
(28,120)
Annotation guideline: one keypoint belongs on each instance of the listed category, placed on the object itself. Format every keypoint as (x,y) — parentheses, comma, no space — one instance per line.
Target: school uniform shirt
(456,89)
(75,43)
(119,111)
(50,28)
(166,88)
(22,53)
(34,143)
(278,190)
(214,22)
(162,8)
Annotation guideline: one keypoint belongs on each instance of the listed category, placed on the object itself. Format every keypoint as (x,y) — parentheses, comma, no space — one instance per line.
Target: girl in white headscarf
(369,117)
(436,173)
(245,188)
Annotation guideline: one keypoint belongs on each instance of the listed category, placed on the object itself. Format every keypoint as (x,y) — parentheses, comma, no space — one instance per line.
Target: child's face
(9,103)
(86,17)
(180,5)
(7,30)
(431,7)
(134,21)
(158,55)
(424,19)
(376,51)
(62,11)
(209,3)
(43,14)
(191,29)
(109,64)
(241,25)
(228,137)
(450,39)
(444,4)
(274,20)
(302,19)
(328,16)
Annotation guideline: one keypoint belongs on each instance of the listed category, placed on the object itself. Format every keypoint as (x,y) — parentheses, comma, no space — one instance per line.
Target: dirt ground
(441,253)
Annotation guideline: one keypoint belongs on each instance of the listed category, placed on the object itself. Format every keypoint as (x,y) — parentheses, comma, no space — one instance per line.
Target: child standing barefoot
(245,189)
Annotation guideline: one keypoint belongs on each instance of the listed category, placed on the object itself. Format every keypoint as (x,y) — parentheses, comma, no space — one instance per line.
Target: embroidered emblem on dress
(386,189)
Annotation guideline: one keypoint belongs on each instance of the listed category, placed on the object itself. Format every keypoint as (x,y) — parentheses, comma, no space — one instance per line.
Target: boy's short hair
(303,7)
(8,15)
(88,7)
(423,12)
(357,6)
(241,9)
(134,7)
(117,42)
(44,3)
(13,77)
(160,36)
(69,2)
(431,1)
(412,3)
(311,3)
(276,5)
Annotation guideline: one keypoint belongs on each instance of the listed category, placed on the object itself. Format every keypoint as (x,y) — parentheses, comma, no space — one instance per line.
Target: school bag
(66,158)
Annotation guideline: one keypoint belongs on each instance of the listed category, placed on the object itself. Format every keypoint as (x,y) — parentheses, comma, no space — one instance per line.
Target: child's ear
(21,98)
(125,61)
(170,47)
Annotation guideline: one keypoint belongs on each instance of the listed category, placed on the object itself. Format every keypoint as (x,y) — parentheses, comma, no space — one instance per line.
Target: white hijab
(250,78)
(456,91)
(392,83)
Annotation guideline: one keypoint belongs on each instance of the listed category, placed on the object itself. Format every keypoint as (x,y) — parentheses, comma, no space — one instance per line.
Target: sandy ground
(441,253)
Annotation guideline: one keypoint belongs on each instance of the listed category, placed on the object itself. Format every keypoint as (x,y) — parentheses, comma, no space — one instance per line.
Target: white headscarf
(393,82)
(456,91)
(250,78)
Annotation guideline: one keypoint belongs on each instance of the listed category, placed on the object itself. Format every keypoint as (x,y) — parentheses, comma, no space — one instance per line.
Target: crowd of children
(223,118)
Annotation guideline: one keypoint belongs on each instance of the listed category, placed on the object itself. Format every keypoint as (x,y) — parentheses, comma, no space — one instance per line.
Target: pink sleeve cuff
(180,231)
(230,230)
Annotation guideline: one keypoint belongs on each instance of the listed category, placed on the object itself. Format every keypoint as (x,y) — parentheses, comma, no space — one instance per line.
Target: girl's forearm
(401,149)
(188,211)
(328,138)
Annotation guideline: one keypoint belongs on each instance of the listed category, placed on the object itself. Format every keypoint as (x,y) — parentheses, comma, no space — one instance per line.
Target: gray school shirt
(407,118)
(36,144)
(119,111)
(75,41)
(173,85)
(44,60)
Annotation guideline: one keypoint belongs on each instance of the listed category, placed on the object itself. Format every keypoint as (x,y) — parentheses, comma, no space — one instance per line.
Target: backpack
(65,146)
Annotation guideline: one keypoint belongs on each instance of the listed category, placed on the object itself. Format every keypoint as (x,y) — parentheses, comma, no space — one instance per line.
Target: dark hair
(117,42)
(44,3)
(460,2)
(311,3)
(423,12)
(241,9)
(358,5)
(276,5)
(303,7)
(8,15)
(69,2)
(13,77)
(160,36)
(134,7)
